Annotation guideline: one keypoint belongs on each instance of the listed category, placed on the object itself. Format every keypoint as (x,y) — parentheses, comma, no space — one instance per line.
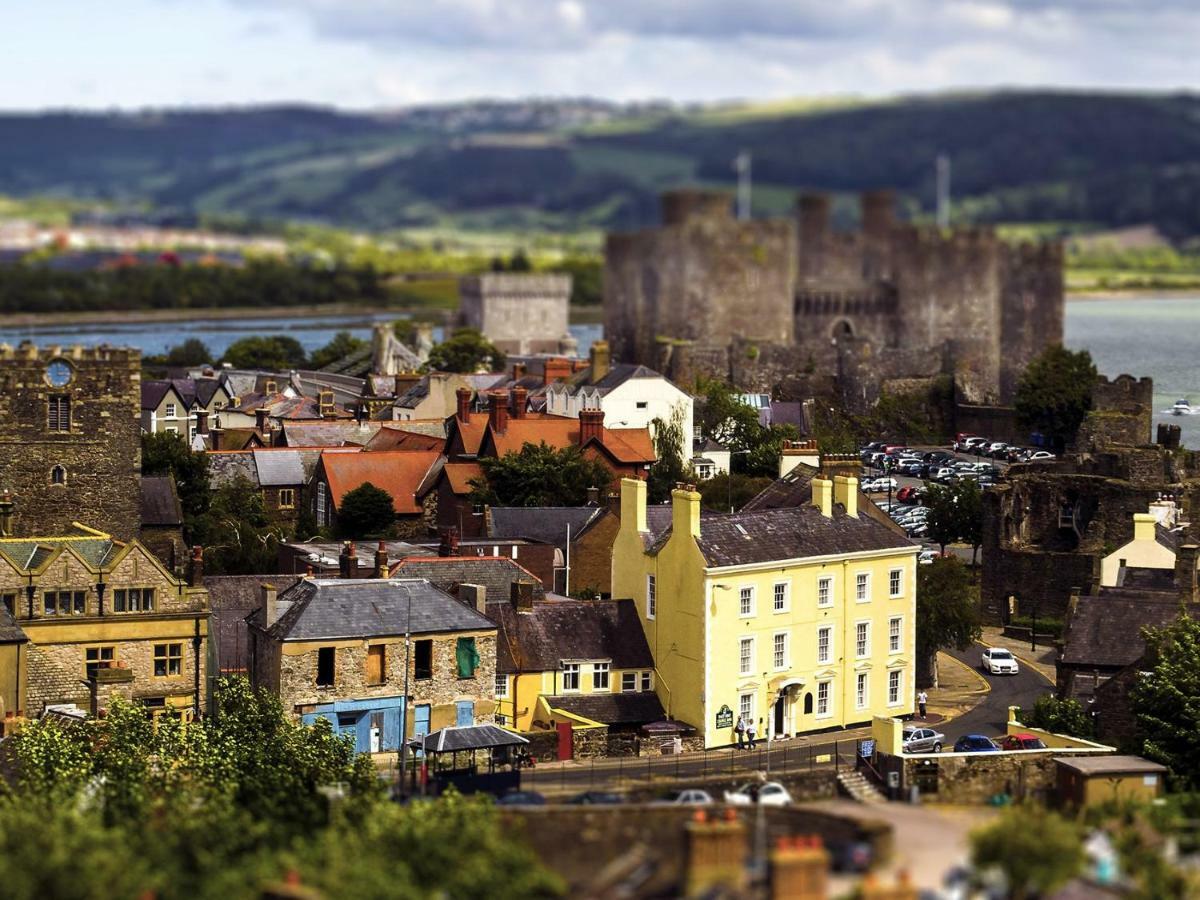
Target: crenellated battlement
(27,351)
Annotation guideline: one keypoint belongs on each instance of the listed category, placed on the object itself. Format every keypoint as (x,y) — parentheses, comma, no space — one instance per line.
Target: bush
(1052,627)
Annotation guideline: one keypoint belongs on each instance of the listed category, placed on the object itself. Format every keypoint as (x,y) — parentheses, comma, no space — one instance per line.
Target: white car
(1040,455)
(687,797)
(770,793)
(998,661)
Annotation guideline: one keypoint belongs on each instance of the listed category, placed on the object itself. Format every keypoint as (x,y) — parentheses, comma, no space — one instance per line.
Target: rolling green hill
(1074,161)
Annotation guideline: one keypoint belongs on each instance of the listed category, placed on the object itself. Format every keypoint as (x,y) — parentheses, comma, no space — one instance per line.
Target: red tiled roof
(460,476)
(626,445)
(398,439)
(399,472)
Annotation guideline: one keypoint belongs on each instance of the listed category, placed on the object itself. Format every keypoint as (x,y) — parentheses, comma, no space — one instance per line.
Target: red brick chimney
(518,371)
(348,560)
(201,421)
(557,369)
(260,420)
(591,425)
(214,438)
(464,404)
(498,411)
(449,542)
(520,401)
(381,561)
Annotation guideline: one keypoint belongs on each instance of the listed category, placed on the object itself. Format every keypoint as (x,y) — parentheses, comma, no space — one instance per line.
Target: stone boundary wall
(974,778)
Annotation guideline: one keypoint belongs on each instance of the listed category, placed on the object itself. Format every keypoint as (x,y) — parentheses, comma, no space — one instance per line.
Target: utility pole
(741,165)
(943,190)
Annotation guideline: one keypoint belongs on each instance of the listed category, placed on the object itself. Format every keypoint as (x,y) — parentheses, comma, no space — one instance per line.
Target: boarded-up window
(467,657)
(59,417)
(375,664)
(423,660)
(325,666)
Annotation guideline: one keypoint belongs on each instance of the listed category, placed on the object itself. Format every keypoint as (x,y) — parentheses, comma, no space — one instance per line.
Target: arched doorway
(842,330)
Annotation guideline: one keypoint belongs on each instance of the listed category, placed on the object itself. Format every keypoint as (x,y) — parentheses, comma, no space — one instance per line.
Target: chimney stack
(845,492)
(449,542)
(381,561)
(556,369)
(347,560)
(498,411)
(201,421)
(195,572)
(591,425)
(474,596)
(214,437)
(518,371)
(521,594)
(685,510)
(6,514)
(1185,573)
(799,869)
(593,496)
(463,395)
(601,360)
(260,421)
(520,402)
(267,600)
(822,496)
(716,854)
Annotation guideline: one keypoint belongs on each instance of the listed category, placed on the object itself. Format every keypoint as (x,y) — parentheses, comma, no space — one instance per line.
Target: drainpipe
(196,641)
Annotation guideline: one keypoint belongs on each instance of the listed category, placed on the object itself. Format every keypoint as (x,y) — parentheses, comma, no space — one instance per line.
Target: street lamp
(1033,626)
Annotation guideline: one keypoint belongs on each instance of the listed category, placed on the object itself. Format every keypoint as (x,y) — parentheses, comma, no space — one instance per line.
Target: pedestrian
(922,699)
(740,728)
(750,732)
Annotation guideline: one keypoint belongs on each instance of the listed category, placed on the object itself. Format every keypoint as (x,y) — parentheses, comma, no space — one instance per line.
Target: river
(1141,336)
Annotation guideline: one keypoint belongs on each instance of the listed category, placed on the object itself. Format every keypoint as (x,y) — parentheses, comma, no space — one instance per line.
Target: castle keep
(761,301)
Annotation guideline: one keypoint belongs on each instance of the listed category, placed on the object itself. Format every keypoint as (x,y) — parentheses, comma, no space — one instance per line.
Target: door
(421,722)
(375,664)
(465,713)
(376,734)
(780,716)
(566,746)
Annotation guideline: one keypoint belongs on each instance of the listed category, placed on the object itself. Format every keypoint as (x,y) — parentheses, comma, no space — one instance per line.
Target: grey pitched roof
(230,599)
(29,554)
(619,374)
(547,524)
(1169,537)
(467,737)
(1106,630)
(279,467)
(558,629)
(328,434)
(10,631)
(225,466)
(160,501)
(1140,578)
(612,709)
(332,608)
(496,574)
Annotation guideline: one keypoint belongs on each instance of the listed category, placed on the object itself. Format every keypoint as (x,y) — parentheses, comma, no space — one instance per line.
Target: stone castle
(767,303)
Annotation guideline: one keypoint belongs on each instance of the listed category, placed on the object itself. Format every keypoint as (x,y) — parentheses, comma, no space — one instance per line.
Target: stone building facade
(760,301)
(70,437)
(519,313)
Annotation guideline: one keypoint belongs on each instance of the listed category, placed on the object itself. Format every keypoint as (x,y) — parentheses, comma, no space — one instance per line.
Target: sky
(371,54)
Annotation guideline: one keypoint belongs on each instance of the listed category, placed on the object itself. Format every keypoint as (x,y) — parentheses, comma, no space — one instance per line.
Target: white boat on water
(1181,408)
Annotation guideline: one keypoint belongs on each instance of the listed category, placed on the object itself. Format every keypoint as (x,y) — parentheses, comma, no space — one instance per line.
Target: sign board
(725,717)
(866,749)
(893,779)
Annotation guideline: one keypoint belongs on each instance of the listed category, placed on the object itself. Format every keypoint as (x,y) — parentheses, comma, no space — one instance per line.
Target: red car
(908,495)
(1022,742)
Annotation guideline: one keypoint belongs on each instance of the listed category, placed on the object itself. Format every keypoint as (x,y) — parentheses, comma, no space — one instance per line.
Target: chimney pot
(381,561)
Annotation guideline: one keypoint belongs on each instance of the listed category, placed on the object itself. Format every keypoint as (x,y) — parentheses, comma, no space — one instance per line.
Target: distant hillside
(1071,160)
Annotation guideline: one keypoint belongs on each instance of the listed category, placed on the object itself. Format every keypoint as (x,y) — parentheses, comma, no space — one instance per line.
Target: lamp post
(1033,627)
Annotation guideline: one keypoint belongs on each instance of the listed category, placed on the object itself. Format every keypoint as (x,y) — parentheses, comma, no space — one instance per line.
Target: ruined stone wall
(99,450)
(518,312)
(1122,414)
(977,777)
(996,422)
(1031,307)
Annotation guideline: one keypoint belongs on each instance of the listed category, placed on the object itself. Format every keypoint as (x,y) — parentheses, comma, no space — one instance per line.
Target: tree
(1036,850)
(272,352)
(1059,716)
(165,453)
(670,468)
(948,613)
(539,475)
(1054,393)
(970,514)
(718,494)
(192,352)
(342,345)
(466,351)
(1166,698)
(366,511)
(237,533)
(955,514)
(725,418)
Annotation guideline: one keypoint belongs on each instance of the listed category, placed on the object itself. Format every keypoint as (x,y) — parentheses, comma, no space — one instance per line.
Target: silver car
(922,740)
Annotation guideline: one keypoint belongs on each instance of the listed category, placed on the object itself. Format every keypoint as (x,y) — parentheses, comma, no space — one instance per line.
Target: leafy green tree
(1059,716)
(519,262)
(1054,393)
(540,475)
(342,345)
(955,514)
(948,613)
(273,352)
(970,514)
(466,351)
(165,453)
(366,511)
(718,494)
(237,533)
(192,352)
(670,468)
(1035,849)
(1166,698)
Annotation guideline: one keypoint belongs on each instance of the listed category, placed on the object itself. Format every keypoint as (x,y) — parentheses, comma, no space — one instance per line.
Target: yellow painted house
(799,618)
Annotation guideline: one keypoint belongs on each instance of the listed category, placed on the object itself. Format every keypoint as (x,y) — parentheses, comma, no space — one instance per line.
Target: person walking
(922,699)
(750,733)
(740,729)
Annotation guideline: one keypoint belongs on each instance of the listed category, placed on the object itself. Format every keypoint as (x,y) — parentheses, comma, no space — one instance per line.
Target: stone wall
(99,450)
(973,778)
(996,422)
(589,743)
(519,313)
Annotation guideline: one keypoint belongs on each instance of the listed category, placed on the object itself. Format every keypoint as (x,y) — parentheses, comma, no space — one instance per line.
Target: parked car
(687,797)
(975,743)
(909,494)
(943,474)
(910,467)
(922,740)
(960,442)
(995,448)
(770,793)
(1040,456)
(998,661)
(973,445)
(596,798)
(522,798)
(1022,742)
(925,557)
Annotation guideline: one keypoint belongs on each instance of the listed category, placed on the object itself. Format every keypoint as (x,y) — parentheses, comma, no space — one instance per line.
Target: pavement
(1042,657)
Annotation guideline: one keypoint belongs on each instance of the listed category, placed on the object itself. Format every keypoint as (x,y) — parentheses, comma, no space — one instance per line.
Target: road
(991,716)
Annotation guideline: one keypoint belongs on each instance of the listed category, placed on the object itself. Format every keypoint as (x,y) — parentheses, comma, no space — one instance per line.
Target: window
(133,600)
(322,518)
(95,657)
(746,602)
(895,577)
(823,698)
(746,655)
(467,657)
(647,681)
(376,664)
(10,602)
(860,691)
(570,678)
(326,657)
(628,682)
(172,429)
(862,587)
(66,603)
(781,597)
(58,475)
(423,659)
(501,685)
(779,650)
(895,682)
(600,676)
(170,413)
(746,707)
(642,404)
(651,597)
(824,648)
(895,634)
(862,639)
(287,498)
(825,591)
(58,417)
(168,660)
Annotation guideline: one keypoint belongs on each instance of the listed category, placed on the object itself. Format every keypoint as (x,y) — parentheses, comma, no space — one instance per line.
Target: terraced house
(99,617)
(800,618)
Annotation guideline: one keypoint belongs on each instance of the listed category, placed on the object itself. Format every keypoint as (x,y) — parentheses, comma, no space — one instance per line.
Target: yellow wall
(13,665)
(1142,552)
(696,632)
(531,686)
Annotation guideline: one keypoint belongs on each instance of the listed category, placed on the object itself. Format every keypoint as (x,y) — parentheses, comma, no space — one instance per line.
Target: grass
(435,293)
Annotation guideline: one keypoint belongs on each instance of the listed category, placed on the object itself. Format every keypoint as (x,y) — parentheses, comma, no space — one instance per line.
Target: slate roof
(160,501)
(231,598)
(31,553)
(635,708)
(546,524)
(10,631)
(334,609)
(1168,537)
(1106,630)
(497,574)
(399,472)
(328,434)
(788,412)
(467,737)
(278,467)
(1136,577)
(795,489)
(225,466)
(558,629)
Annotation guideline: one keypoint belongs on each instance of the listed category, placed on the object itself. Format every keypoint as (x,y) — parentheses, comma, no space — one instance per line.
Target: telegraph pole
(741,165)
